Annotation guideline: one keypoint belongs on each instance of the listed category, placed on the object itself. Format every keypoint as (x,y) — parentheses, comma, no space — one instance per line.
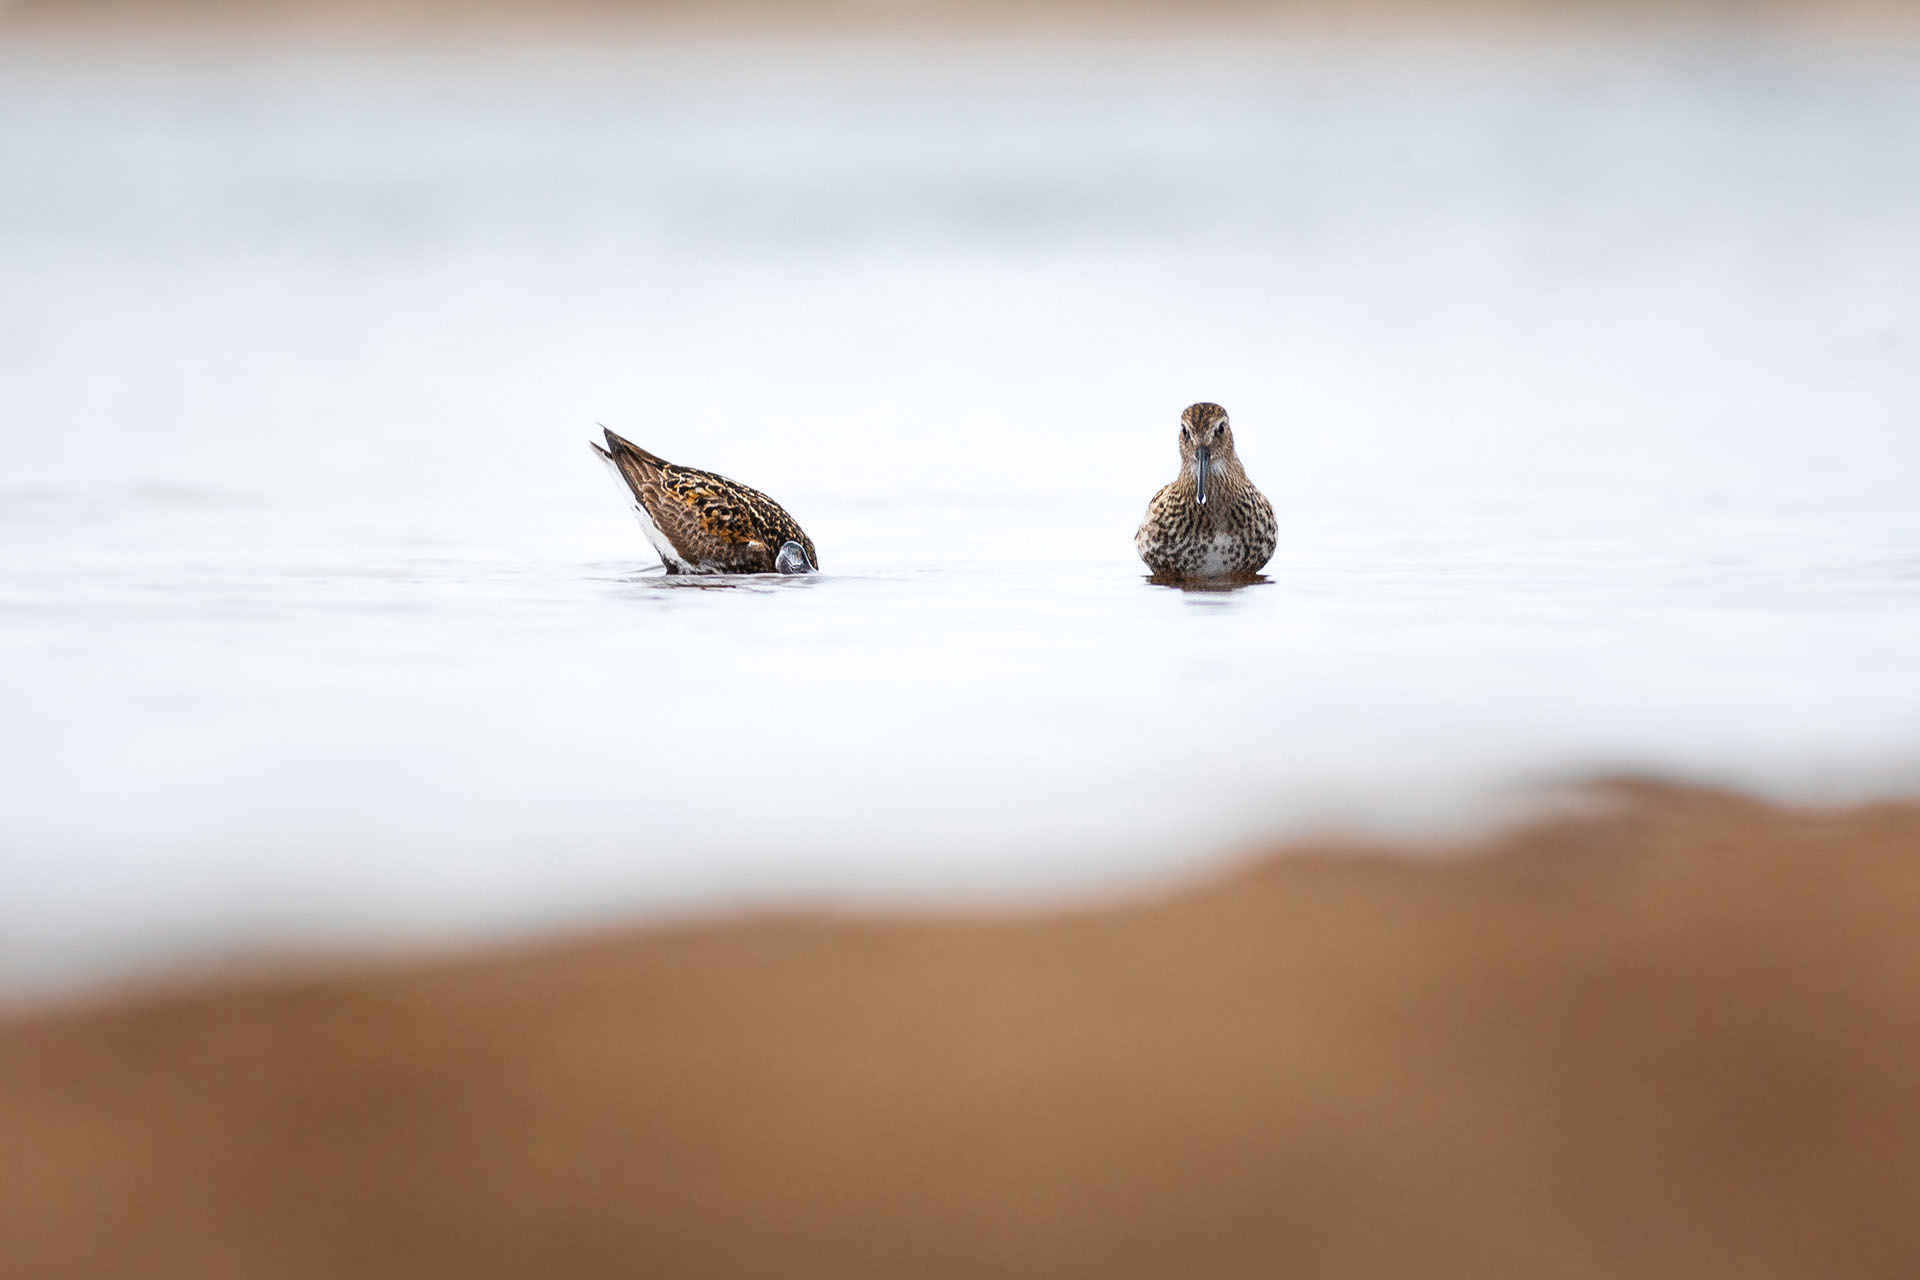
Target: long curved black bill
(1202,461)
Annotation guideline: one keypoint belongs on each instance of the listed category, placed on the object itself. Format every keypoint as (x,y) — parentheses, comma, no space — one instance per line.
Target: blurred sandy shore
(1676,1036)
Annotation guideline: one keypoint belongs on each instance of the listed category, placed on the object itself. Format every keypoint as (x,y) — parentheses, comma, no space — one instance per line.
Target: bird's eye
(1186,433)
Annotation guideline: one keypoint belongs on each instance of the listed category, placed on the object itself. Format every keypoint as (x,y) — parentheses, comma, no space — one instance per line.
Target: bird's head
(1206,444)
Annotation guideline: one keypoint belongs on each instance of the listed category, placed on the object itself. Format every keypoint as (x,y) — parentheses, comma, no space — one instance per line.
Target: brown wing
(736,512)
(719,520)
(664,513)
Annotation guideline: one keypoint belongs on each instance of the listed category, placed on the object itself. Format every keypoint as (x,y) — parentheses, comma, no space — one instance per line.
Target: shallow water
(1584,374)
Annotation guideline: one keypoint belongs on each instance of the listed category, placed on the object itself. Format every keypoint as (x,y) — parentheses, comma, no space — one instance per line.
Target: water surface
(1584,374)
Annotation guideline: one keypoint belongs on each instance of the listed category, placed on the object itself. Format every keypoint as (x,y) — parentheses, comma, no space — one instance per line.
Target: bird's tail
(618,446)
(628,460)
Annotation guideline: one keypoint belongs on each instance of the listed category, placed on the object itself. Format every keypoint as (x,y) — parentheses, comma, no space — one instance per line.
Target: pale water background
(1584,372)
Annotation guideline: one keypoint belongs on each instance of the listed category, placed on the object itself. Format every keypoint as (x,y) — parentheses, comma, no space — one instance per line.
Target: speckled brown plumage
(703,523)
(1210,522)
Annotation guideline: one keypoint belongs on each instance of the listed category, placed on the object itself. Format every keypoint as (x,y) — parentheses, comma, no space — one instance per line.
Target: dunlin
(1210,522)
(703,523)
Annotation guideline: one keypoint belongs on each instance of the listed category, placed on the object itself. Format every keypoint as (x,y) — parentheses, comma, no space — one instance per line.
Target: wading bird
(703,523)
(1210,522)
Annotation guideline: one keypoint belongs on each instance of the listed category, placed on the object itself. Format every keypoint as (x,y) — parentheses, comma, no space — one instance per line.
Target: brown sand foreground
(1680,1037)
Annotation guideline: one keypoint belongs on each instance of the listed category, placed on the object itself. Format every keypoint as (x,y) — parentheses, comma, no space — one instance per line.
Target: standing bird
(1210,522)
(703,523)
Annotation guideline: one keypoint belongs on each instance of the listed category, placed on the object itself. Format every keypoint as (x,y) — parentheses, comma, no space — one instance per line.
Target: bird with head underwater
(700,522)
